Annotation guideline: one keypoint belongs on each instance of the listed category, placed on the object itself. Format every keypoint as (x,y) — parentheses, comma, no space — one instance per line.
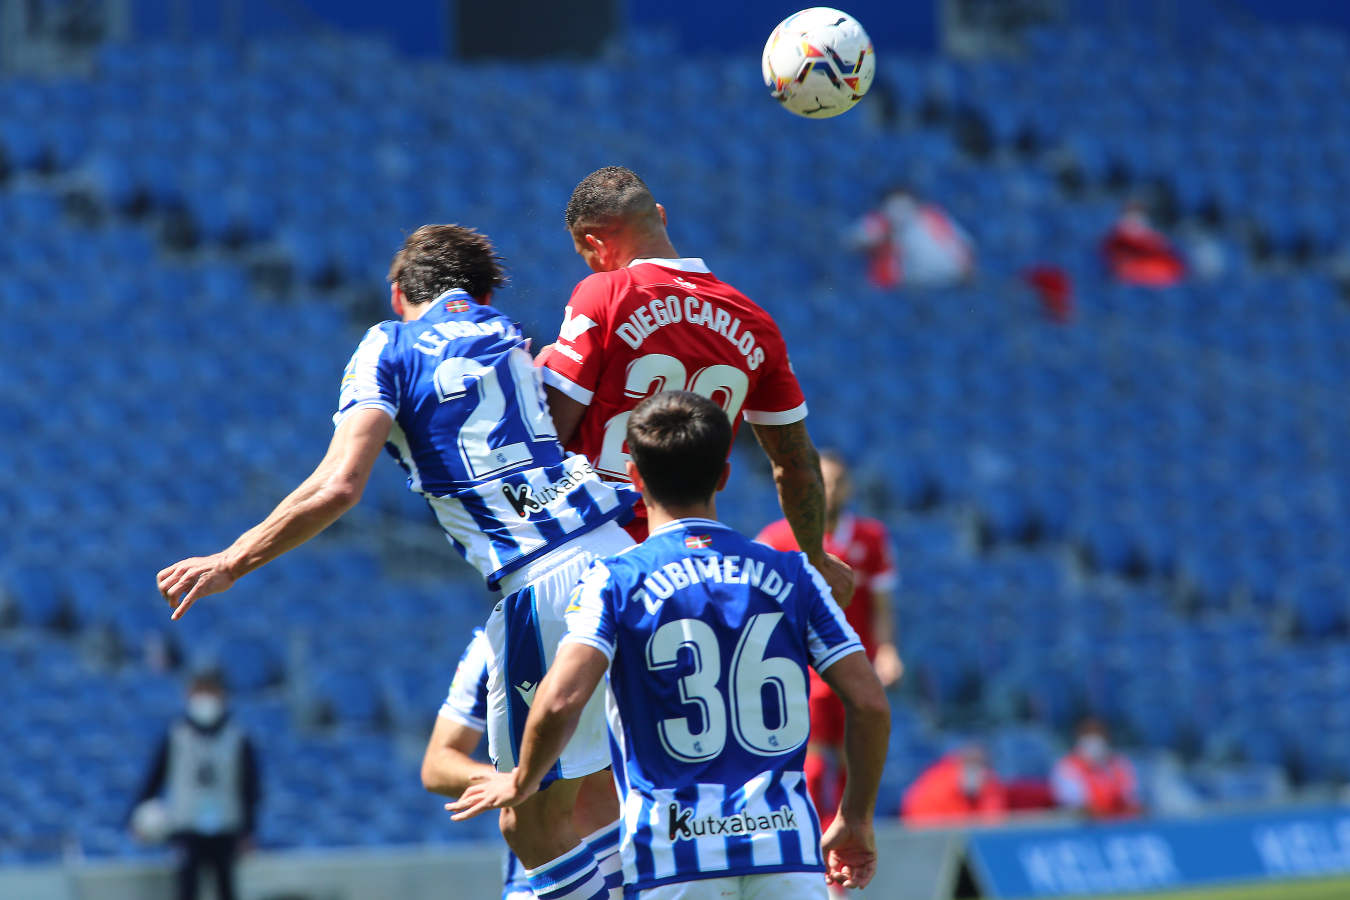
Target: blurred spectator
(960,787)
(206,770)
(1093,779)
(913,243)
(1137,253)
(864,544)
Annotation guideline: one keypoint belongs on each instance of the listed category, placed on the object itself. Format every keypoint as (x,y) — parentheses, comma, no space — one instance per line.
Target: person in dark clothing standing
(207,772)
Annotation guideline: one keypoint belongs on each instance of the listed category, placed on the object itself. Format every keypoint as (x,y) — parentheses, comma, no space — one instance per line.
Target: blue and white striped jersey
(709,635)
(466,703)
(473,432)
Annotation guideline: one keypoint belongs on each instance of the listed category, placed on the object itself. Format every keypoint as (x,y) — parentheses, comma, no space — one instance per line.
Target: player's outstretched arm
(849,845)
(801,494)
(320,500)
(447,766)
(563,692)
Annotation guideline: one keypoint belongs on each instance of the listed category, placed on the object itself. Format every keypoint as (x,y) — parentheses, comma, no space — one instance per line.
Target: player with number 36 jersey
(706,637)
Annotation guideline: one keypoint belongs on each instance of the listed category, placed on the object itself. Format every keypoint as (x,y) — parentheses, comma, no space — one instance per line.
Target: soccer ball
(819,62)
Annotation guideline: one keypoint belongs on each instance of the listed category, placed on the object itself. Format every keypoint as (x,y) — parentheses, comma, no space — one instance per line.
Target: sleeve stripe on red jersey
(885,581)
(786,417)
(568,387)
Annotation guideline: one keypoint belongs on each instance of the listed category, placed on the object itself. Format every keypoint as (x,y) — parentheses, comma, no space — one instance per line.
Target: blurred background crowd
(1068,293)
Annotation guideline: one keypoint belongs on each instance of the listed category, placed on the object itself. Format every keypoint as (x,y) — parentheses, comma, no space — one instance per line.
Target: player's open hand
(184,583)
(850,854)
(839,576)
(493,792)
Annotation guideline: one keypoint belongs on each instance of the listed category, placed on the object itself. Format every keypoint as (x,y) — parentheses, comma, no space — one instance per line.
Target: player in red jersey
(649,320)
(864,545)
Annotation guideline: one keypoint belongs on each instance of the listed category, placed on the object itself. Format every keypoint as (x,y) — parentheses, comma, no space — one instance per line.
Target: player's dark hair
(679,442)
(207,679)
(440,258)
(607,197)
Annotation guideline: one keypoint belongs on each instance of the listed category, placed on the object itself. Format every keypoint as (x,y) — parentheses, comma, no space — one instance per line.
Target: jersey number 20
(656,372)
(751,675)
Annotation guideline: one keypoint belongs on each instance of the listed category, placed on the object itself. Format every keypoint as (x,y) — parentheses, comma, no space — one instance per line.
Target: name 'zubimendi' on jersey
(709,635)
(473,433)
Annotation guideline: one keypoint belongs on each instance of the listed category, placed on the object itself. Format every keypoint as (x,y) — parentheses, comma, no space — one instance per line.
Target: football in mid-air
(819,62)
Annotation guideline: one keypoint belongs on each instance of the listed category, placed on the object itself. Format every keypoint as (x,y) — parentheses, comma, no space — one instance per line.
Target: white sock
(572,876)
(604,846)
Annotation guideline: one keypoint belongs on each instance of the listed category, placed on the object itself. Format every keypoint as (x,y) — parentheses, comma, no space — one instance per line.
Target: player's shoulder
(778,535)
(600,288)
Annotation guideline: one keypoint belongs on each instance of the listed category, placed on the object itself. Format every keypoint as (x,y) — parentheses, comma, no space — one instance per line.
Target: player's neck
(653,247)
(658,515)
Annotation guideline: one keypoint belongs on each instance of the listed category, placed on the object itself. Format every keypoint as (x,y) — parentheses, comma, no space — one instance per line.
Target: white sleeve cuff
(885,581)
(568,387)
(454,715)
(590,641)
(373,403)
(837,654)
(786,417)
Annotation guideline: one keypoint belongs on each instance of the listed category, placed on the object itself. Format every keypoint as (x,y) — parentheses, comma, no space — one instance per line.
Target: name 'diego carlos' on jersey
(473,433)
(709,636)
(666,324)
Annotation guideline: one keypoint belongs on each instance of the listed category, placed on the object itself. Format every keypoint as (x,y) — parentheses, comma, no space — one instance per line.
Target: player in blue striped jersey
(448,767)
(706,636)
(450,389)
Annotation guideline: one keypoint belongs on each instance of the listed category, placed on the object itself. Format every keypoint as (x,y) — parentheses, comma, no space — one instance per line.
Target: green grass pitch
(1313,889)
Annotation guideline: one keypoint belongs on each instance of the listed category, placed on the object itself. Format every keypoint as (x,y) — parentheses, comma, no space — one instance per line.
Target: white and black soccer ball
(819,62)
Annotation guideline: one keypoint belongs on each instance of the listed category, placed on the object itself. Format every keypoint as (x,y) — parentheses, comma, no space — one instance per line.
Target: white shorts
(770,886)
(523,632)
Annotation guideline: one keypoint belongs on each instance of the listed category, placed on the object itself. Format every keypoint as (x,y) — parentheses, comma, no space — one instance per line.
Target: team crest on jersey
(575,324)
(457,305)
(698,541)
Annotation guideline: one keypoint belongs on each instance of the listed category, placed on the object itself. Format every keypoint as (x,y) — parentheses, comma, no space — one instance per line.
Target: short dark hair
(608,197)
(679,442)
(440,258)
(209,678)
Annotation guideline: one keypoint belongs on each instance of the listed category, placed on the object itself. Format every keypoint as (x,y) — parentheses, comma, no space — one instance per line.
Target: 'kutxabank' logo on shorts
(684,827)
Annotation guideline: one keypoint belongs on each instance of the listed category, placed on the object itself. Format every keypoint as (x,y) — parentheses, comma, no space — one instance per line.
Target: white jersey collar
(686,264)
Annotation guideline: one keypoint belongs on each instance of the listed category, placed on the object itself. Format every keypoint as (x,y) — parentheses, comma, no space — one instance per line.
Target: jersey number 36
(756,687)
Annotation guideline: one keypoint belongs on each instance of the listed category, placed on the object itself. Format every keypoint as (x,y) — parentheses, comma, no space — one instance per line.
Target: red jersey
(864,545)
(665,324)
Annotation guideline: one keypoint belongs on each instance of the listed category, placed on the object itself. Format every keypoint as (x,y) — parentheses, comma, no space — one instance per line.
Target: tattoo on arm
(796,473)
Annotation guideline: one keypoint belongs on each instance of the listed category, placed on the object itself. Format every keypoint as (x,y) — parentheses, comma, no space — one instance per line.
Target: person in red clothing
(958,788)
(650,320)
(1137,253)
(1093,779)
(864,545)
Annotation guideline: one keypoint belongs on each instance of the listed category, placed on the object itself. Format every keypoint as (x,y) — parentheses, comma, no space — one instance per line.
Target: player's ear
(726,473)
(635,476)
(397,302)
(661,210)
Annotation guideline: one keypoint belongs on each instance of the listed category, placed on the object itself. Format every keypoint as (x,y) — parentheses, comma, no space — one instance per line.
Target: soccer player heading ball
(692,626)
(650,320)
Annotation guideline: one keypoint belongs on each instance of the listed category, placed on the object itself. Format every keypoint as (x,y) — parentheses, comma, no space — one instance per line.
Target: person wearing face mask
(206,771)
(958,788)
(1093,779)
